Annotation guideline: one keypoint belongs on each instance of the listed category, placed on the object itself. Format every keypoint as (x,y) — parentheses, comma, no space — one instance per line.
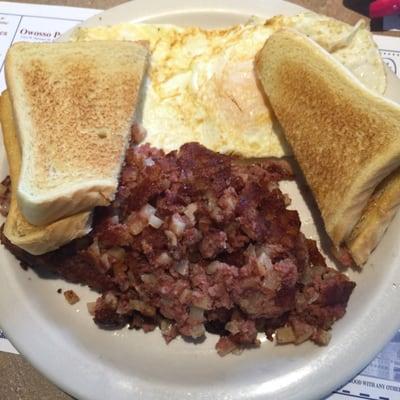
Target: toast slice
(33,239)
(345,137)
(375,218)
(73,105)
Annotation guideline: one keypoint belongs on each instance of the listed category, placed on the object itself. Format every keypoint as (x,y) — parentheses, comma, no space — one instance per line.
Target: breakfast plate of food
(200,202)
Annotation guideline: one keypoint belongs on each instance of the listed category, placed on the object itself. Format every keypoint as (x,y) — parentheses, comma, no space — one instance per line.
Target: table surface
(18,379)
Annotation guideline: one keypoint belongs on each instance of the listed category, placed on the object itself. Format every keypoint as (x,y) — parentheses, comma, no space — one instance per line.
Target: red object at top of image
(382,8)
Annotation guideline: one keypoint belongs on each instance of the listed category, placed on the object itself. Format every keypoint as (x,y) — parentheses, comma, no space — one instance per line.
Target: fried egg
(201,85)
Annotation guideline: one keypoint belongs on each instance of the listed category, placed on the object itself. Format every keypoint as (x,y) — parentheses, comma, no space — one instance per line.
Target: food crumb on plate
(71,297)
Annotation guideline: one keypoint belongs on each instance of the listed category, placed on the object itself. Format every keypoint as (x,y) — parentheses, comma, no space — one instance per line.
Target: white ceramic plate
(63,342)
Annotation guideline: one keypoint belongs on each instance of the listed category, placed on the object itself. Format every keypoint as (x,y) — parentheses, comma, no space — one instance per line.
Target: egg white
(202,86)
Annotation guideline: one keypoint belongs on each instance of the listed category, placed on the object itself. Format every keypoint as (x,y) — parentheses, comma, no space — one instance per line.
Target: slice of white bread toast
(345,137)
(376,217)
(33,239)
(73,105)
(381,207)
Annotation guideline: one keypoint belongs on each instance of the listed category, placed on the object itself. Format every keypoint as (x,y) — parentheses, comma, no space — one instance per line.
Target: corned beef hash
(198,242)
